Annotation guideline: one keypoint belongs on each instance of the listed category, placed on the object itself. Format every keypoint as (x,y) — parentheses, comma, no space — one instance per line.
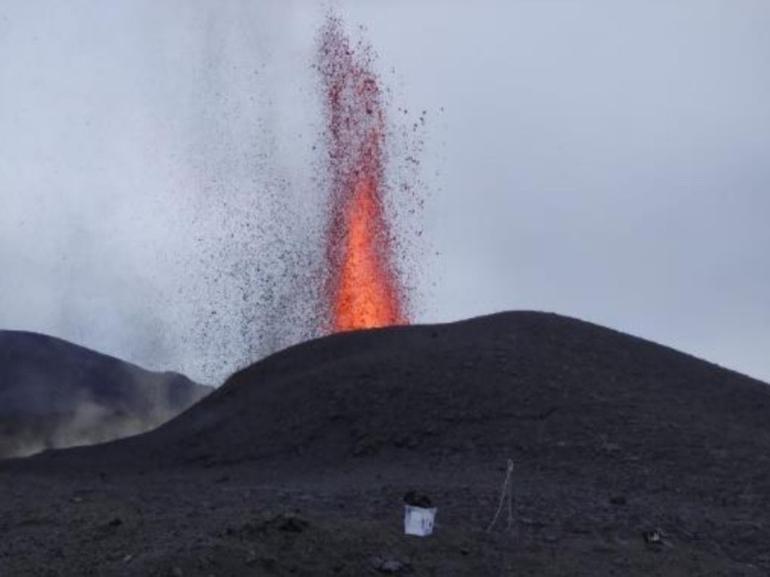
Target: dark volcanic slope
(532,386)
(54,393)
(298,464)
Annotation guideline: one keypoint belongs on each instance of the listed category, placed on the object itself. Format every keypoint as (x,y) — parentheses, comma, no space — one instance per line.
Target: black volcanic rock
(55,394)
(521,385)
(614,439)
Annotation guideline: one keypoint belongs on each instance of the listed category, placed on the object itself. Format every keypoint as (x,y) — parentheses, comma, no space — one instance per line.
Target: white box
(418,520)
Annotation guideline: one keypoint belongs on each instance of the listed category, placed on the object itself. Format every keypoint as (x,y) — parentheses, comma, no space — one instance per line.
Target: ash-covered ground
(298,464)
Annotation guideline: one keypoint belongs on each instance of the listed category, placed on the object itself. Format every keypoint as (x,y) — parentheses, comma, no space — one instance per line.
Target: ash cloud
(600,161)
(172,210)
(158,197)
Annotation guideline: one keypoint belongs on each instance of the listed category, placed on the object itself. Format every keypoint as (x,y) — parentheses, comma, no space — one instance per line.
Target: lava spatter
(362,286)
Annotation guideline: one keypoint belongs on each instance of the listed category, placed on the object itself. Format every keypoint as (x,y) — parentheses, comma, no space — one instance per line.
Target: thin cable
(505,491)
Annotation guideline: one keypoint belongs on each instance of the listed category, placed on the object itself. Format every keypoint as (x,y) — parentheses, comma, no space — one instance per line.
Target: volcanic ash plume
(362,287)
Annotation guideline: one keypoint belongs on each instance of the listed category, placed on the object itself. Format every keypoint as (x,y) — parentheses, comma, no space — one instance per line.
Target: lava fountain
(362,287)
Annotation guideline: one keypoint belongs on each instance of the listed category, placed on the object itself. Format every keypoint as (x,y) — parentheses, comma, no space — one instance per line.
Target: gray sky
(606,160)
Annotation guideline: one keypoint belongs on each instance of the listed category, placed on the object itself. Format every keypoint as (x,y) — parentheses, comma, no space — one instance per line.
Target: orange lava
(366,297)
(363,289)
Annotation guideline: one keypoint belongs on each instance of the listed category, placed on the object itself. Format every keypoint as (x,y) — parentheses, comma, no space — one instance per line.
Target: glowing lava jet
(362,287)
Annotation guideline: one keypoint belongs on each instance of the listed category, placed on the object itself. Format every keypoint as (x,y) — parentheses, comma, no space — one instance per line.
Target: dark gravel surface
(298,465)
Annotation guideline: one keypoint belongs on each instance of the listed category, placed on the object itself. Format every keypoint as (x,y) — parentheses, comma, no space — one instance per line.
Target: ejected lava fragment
(362,288)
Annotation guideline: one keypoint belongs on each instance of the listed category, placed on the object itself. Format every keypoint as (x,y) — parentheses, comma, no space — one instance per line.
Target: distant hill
(57,394)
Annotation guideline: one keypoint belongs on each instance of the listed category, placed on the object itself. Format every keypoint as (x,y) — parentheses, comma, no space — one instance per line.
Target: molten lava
(362,286)
(366,295)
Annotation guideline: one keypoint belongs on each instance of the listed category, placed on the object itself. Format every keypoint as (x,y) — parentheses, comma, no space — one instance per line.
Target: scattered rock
(416,499)
(388,565)
(290,523)
(536,524)
(391,566)
(550,537)
(653,539)
(365,446)
(406,442)
(251,558)
(285,522)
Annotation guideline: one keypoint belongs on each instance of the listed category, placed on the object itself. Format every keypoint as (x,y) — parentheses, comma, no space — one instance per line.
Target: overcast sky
(601,159)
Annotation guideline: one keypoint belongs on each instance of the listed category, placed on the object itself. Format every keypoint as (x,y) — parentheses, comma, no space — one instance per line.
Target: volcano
(56,394)
(520,385)
(629,458)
